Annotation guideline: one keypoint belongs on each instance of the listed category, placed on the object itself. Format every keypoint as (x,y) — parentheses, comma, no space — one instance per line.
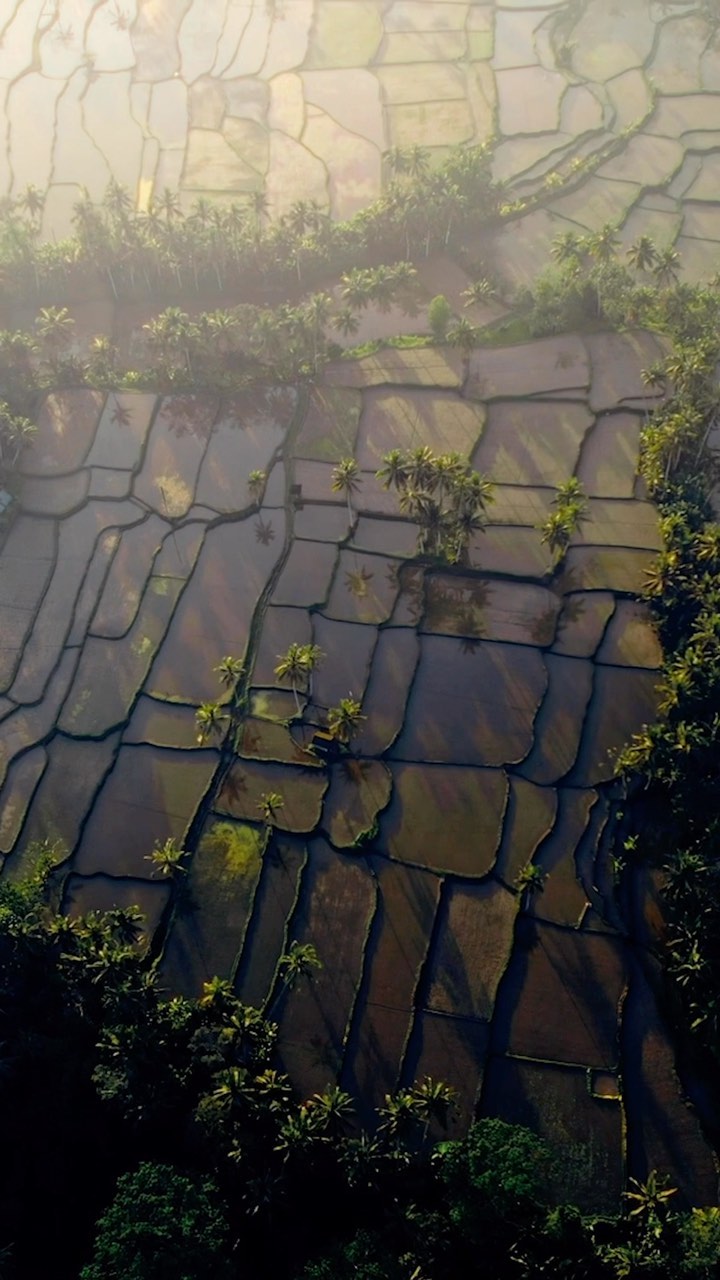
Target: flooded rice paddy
(302,98)
(494,698)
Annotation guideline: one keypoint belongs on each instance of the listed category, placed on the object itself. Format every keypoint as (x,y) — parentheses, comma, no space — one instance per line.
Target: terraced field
(612,112)
(494,696)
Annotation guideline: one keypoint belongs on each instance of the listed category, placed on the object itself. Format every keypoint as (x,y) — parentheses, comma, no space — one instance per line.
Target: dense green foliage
(674,763)
(167,1123)
(161,1225)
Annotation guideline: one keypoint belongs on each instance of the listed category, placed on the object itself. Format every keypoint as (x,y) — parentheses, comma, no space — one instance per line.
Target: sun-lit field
(495,693)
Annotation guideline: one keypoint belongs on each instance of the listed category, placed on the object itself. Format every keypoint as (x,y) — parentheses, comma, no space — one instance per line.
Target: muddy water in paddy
(492,702)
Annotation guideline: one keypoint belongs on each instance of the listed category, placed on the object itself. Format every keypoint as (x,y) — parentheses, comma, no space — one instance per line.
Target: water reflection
(188,415)
(264,532)
(356,582)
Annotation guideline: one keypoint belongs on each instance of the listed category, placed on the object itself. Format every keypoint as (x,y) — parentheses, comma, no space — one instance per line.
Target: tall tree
(346,479)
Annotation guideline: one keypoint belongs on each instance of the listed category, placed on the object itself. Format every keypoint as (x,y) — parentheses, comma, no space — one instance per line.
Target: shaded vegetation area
(168,1122)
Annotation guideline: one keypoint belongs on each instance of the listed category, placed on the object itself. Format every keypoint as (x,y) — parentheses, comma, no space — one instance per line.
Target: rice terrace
(359,640)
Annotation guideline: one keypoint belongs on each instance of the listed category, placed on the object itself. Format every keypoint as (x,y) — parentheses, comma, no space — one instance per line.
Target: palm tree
(334,1109)
(465,336)
(567,247)
(570,490)
(667,266)
(117,200)
(54,325)
(557,531)
(168,204)
(649,1199)
(435,1101)
(294,668)
(643,253)
(217,994)
(356,287)
(298,962)
(397,161)
(259,206)
(604,244)
(479,291)
(33,201)
(229,671)
(346,479)
(530,879)
(344,719)
(209,720)
(394,471)
(570,507)
(270,804)
(418,161)
(346,322)
(401,1115)
(103,360)
(166,858)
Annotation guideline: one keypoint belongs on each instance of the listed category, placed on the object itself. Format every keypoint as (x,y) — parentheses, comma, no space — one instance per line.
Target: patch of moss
(235,848)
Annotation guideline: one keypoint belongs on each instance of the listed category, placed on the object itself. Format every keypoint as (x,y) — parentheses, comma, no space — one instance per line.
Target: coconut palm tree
(568,247)
(229,671)
(529,880)
(118,202)
(643,253)
(54,325)
(604,244)
(394,471)
(418,161)
(298,962)
(465,336)
(210,720)
(397,161)
(334,1109)
(401,1115)
(346,479)
(435,1101)
(103,360)
(478,292)
(292,667)
(344,719)
(166,858)
(556,532)
(649,1199)
(259,207)
(346,322)
(667,267)
(32,201)
(217,994)
(270,804)
(167,204)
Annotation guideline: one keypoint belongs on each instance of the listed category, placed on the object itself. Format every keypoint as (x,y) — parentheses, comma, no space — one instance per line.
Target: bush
(162,1225)
(439,317)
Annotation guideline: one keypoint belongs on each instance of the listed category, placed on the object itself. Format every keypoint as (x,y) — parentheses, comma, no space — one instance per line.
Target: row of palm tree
(675,761)
(219,349)
(166,251)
